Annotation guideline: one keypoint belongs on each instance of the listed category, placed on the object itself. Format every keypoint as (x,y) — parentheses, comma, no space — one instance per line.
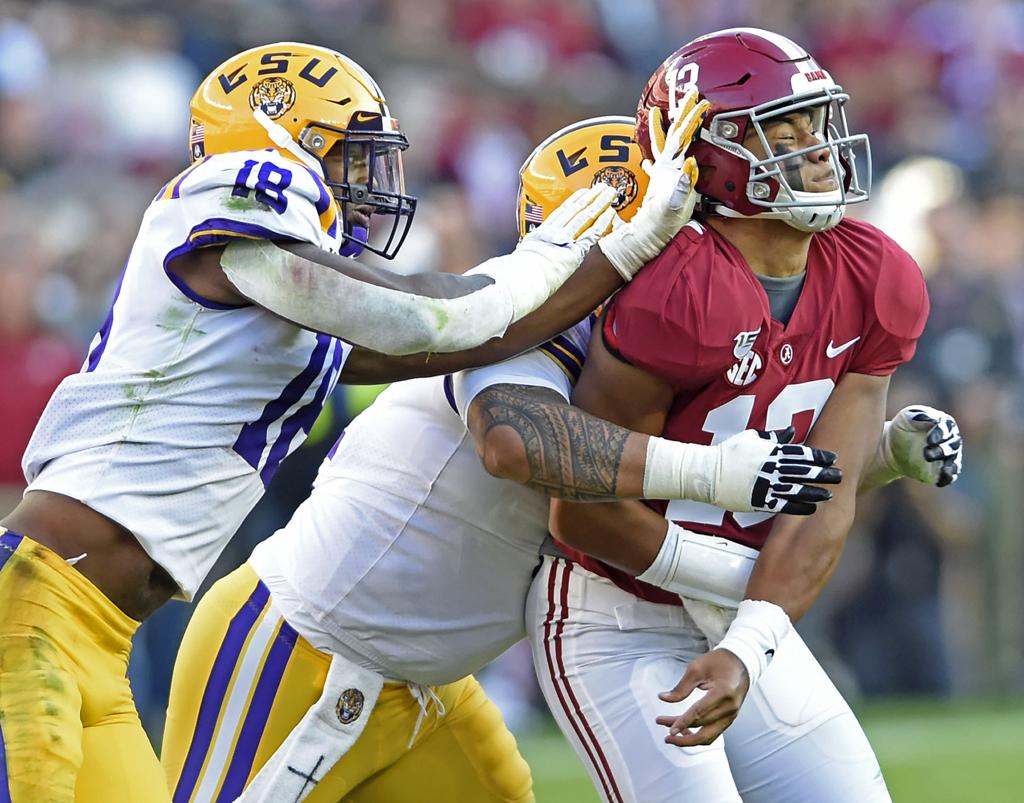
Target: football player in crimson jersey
(769,309)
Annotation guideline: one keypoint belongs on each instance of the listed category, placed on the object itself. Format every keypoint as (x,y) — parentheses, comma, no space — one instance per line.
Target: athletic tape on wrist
(677,470)
(755,635)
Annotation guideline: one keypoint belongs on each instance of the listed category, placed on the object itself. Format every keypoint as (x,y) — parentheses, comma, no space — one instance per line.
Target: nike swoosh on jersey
(834,351)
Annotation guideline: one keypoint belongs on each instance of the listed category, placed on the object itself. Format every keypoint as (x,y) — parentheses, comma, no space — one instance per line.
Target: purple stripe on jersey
(566,362)
(258,713)
(303,419)
(8,544)
(96,353)
(569,346)
(337,443)
(252,439)
(324,201)
(223,228)
(449,391)
(188,172)
(216,690)
(5,789)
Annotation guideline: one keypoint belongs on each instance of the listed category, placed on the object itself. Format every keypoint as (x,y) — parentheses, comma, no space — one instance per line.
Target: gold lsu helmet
(576,157)
(303,100)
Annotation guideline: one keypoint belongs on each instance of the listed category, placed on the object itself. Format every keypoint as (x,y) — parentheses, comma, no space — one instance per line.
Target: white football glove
(921,443)
(552,252)
(668,203)
(753,471)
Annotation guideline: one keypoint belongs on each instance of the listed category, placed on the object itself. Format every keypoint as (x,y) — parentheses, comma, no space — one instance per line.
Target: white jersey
(185,407)
(409,558)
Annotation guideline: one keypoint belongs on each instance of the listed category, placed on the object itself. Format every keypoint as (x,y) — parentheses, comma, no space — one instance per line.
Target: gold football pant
(244,678)
(68,726)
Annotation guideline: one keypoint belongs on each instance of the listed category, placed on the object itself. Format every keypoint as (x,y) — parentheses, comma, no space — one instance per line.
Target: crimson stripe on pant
(553,653)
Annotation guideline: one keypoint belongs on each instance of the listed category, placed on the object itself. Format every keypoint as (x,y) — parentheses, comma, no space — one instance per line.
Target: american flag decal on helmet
(197,140)
(533,214)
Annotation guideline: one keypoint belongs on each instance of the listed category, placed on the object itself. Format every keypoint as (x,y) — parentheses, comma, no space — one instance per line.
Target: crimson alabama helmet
(750,76)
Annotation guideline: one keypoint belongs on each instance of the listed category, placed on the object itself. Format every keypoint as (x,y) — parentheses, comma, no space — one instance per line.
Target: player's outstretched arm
(533,436)
(574,300)
(397,314)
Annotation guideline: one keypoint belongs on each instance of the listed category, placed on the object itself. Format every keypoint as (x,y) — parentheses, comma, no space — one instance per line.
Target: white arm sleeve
(377,318)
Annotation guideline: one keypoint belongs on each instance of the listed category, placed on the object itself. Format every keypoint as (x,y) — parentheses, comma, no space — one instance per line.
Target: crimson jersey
(698,317)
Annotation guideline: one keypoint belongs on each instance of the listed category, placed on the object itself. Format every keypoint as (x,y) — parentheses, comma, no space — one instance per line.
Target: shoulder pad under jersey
(901,298)
(254,194)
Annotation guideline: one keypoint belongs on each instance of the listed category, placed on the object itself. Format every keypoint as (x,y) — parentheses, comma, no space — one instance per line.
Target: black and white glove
(752,471)
(920,442)
(788,482)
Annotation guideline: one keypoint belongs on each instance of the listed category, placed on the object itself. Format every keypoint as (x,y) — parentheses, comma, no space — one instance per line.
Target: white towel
(327,731)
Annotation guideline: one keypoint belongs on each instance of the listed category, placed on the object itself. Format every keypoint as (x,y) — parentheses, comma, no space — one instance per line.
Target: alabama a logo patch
(350,706)
(273,96)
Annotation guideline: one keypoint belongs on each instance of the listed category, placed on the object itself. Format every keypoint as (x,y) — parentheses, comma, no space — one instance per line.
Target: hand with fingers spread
(726,673)
(922,443)
(671,194)
(723,678)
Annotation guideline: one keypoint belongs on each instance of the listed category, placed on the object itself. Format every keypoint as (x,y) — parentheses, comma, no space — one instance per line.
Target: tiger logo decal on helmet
(272,96)
(576,157)
(623,180)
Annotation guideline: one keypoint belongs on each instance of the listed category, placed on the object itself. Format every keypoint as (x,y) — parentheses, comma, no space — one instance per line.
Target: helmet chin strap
(282,139)
(819,217)
(352,247)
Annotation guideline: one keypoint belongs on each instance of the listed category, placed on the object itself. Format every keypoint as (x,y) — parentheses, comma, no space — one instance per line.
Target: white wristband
(755,635)
(702,567)
(677,470)
(881,470)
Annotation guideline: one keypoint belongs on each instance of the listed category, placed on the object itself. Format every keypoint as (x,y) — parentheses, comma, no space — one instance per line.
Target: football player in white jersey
(334,663)
(219,349)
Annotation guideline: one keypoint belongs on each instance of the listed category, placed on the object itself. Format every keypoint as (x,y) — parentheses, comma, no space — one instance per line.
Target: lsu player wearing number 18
(211,367)
(357,625)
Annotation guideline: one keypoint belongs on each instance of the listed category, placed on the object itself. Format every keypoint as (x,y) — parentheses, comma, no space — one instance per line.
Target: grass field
(930,753)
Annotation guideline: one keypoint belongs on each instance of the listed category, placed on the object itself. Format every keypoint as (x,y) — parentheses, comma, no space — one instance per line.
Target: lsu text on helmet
(576,157)
(307,102)
(752,76)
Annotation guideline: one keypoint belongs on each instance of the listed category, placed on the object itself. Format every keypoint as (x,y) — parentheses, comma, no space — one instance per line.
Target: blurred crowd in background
(93,116)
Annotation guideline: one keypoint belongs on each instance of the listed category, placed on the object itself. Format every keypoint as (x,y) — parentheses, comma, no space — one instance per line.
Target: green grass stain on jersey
(242,203)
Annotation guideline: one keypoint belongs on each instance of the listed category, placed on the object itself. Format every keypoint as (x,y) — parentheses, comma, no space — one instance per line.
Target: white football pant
(602,655)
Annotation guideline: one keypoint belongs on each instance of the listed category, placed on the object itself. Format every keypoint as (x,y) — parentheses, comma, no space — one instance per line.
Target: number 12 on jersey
(732,418)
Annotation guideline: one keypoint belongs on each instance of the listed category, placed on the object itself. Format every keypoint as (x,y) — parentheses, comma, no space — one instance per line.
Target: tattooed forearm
(570,454)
